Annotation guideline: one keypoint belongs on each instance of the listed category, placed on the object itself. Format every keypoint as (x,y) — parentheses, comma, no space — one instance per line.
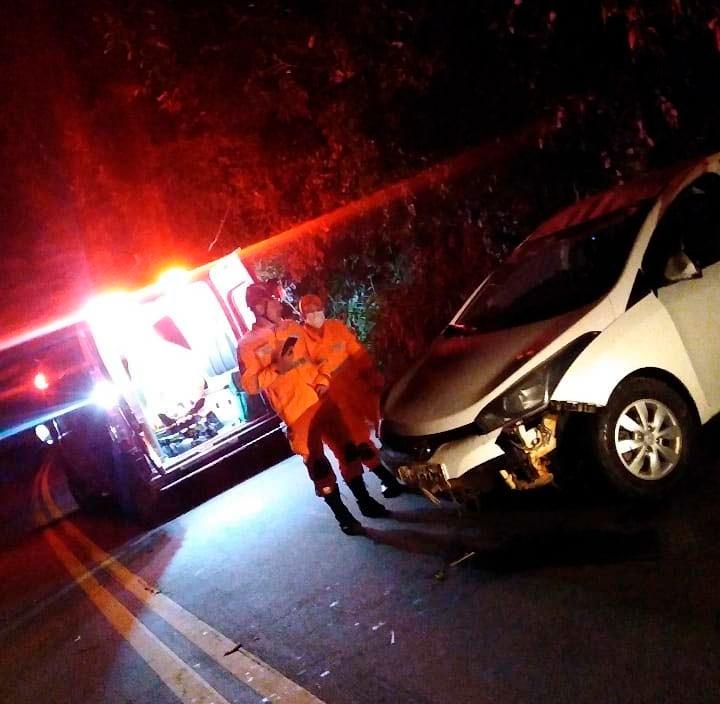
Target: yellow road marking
(40,516)
(242,664)
(187,685)
(181,679)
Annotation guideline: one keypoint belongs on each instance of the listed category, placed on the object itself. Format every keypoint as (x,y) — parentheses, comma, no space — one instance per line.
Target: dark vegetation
(139,134)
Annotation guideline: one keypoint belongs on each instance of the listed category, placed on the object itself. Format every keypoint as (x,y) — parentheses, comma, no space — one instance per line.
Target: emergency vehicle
(140,389)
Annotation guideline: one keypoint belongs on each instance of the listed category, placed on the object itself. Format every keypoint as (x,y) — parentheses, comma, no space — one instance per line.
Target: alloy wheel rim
(648,439)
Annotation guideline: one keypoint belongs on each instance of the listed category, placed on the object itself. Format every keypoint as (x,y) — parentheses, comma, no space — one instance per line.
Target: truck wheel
(88,497)
(85,498)
(136,498)
(85,452)
(645,438)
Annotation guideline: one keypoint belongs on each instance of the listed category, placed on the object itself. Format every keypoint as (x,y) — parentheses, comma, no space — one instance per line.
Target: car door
(683,266)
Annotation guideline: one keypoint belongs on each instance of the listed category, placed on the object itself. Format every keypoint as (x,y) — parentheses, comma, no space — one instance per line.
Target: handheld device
(288,345)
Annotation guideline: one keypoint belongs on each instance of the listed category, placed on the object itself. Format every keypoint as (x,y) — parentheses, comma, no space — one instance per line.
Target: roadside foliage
(138,136)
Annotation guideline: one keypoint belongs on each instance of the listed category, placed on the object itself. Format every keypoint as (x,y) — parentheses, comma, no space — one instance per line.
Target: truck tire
(85,453)
(645,438)
(135,495)
(85,497)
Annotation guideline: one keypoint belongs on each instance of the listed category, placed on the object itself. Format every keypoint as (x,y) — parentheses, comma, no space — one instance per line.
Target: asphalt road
(567,598)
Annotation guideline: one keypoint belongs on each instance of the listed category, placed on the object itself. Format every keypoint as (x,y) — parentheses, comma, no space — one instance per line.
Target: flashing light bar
(175,276)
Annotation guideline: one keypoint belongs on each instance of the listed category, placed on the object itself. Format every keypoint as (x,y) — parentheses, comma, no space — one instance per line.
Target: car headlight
(532,393)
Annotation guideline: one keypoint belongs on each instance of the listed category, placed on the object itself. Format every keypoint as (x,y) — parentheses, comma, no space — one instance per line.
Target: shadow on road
(412,541)
(431,514)
(529,550)
(589,547)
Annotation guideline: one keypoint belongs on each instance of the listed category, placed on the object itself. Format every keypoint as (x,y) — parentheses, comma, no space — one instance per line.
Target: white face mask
(315,320)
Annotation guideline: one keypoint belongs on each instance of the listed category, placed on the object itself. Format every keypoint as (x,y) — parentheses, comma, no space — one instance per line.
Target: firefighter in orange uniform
(348,380)
(273,358)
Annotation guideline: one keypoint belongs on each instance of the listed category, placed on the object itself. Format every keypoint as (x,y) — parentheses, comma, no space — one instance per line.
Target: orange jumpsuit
(291,393)
(293,397)
(354,384)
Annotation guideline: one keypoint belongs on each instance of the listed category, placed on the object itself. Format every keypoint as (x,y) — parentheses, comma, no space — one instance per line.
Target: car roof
(618,198)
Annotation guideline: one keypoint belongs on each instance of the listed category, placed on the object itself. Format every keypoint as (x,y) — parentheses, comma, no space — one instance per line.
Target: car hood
(443,389)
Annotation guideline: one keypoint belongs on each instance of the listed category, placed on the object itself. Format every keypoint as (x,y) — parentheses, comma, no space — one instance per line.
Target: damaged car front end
(512,437)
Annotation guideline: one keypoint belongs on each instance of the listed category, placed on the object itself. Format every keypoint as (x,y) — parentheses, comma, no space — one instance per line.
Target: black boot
(367,505)
(348,523)
(389,486)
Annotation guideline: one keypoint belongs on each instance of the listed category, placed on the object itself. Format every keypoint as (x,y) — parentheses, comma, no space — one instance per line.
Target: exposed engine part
(430,496)
(544,442)
(429,478)
(536,442)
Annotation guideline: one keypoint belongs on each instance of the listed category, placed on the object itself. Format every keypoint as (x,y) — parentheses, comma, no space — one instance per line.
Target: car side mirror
(681,268)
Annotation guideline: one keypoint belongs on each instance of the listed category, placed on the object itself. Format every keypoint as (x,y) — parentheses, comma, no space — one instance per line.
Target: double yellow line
(184,681)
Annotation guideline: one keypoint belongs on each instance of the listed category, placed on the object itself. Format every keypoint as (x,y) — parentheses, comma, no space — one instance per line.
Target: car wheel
(645,437)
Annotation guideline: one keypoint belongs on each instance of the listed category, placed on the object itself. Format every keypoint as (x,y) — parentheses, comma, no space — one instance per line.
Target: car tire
(645,438)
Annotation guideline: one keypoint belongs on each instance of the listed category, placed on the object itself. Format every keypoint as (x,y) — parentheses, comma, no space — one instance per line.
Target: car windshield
(556,273)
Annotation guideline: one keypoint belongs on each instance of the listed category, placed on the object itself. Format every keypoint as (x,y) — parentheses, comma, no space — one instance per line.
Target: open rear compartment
(172,356)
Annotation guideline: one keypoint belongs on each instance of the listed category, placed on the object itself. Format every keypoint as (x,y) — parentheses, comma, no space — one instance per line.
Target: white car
(609,313)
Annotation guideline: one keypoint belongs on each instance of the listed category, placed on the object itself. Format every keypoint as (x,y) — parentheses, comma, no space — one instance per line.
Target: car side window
(689,232)
(702,231)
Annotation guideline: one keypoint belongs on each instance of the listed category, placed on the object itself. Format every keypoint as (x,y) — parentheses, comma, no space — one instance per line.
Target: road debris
(466,556)
(379,625)
(325,674)
(392,637)
(234,650)
(335,603)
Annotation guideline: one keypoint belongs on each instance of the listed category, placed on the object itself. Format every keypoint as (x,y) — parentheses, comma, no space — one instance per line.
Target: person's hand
(285,362)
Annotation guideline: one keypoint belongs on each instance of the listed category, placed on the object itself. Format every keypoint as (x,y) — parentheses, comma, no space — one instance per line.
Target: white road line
(241,663)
